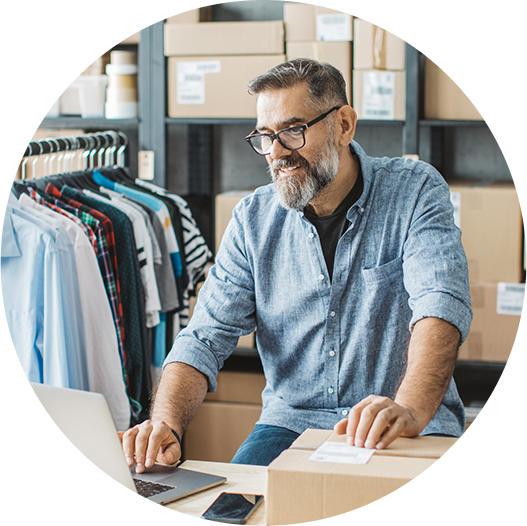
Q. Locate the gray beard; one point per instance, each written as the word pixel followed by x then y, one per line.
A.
pixel 295 193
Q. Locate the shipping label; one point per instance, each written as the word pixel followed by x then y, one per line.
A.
pixel 341 453
pixel 510 298
pixel 191 80
pixel 378 95
pixel 334 27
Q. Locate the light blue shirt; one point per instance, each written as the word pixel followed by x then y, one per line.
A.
pixel 327 345
pixel 42 299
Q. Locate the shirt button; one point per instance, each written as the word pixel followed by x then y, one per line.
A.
pixel 345 412
pixel 332 313
pixel 330 390
pixel 321 276
pixel 332 353
pixel 311 235
pixel 362 209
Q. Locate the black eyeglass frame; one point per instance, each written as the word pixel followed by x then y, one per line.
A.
pixel 301 128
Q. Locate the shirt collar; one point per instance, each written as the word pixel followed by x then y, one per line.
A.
pixel 366 169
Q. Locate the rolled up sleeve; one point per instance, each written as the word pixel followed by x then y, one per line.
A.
pixel 434 262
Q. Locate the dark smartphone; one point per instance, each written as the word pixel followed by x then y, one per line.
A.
pixel 235 508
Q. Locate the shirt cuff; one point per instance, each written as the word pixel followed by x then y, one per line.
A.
pixel 192 352
pixel 445 307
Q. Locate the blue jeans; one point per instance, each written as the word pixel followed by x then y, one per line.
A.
pixel 263 445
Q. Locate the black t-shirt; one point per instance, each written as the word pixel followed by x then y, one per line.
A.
pixel 330 228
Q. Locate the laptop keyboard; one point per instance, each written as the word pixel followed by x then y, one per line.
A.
pixel 148 489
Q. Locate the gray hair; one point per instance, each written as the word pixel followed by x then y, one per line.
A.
pixel 326 85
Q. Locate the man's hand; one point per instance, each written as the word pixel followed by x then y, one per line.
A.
pixel 149 442
pixel 376 422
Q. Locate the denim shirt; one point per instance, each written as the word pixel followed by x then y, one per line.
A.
pixel 324 345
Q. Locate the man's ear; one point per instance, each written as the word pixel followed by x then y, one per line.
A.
pixel 346 125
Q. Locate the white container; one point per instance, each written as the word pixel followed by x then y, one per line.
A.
pixel 121 110
pixel 93 94
pixel 121 69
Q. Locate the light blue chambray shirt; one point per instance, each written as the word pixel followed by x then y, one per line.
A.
pixel 327 345
pixel 42 300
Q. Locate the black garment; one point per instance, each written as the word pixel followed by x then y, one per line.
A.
pixel 330 228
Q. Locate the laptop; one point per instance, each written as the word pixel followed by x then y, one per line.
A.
pixel 86 420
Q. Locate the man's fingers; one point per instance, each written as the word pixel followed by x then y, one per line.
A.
pixel 373 421
pixel 393 432
pixel 354 419
pixel 147 443
pixel 160 435
pixel 340 427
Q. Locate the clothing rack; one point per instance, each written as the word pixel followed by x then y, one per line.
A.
pixel 106 146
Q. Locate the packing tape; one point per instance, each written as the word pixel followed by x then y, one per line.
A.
pixel 121 110
pixel 379 48
pixel 122 81
pixel 117 95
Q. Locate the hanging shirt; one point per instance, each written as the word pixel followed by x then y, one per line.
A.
pixel 196 252
pixel 160 209
pixel 325 346
pixel 42 300
pixel 103 230
pixel 104 365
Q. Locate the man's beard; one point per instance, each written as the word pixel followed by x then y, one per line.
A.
pixel 295 192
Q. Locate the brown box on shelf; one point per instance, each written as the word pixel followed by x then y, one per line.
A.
pixel 497 312
pixel 379 95
pixel 339 54
pixel 492 232
pixel 306 23
pixel 444 99
pixel 203 14
pixel 238 387
pixel 375 48
pixel 225 203
pixel 225 38
pixel 215 86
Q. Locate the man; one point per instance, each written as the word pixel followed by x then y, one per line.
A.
pixel 353 272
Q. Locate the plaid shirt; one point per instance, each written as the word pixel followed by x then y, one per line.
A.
pixel 106 256
pixel 84 226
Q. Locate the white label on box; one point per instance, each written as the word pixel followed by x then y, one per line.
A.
pixel 334 28
pixel 191 80
pixel 341 453
pixel 378 95
pixel 455 197
pixel 510 298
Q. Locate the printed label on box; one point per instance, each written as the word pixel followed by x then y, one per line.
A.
pixel 378 95
pixel 341 453
pixel 455 197
pixel 333 28
pixel 191 80
pixel 510 298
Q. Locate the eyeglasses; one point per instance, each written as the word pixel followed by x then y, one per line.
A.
pixel 290 138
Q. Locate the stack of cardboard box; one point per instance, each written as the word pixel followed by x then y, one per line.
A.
pixel 379 81
pixel 210 63
pixel 492 234
pixel 321 34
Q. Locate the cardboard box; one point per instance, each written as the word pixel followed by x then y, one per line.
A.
pixel 379 95
pixel 305 23
pixel 492 232
pixel 225 38
pixel 218 430
pixel 444 99
pixel 225 203
pixel 203 14
pixel 301 490
pixel 215 86
pixel 497 312
pixel 238 387
pixel 339 54
pixel 375 48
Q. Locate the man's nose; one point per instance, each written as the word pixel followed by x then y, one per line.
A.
pixel 278 151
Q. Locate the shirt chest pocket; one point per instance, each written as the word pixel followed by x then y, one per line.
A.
pixel 386 273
